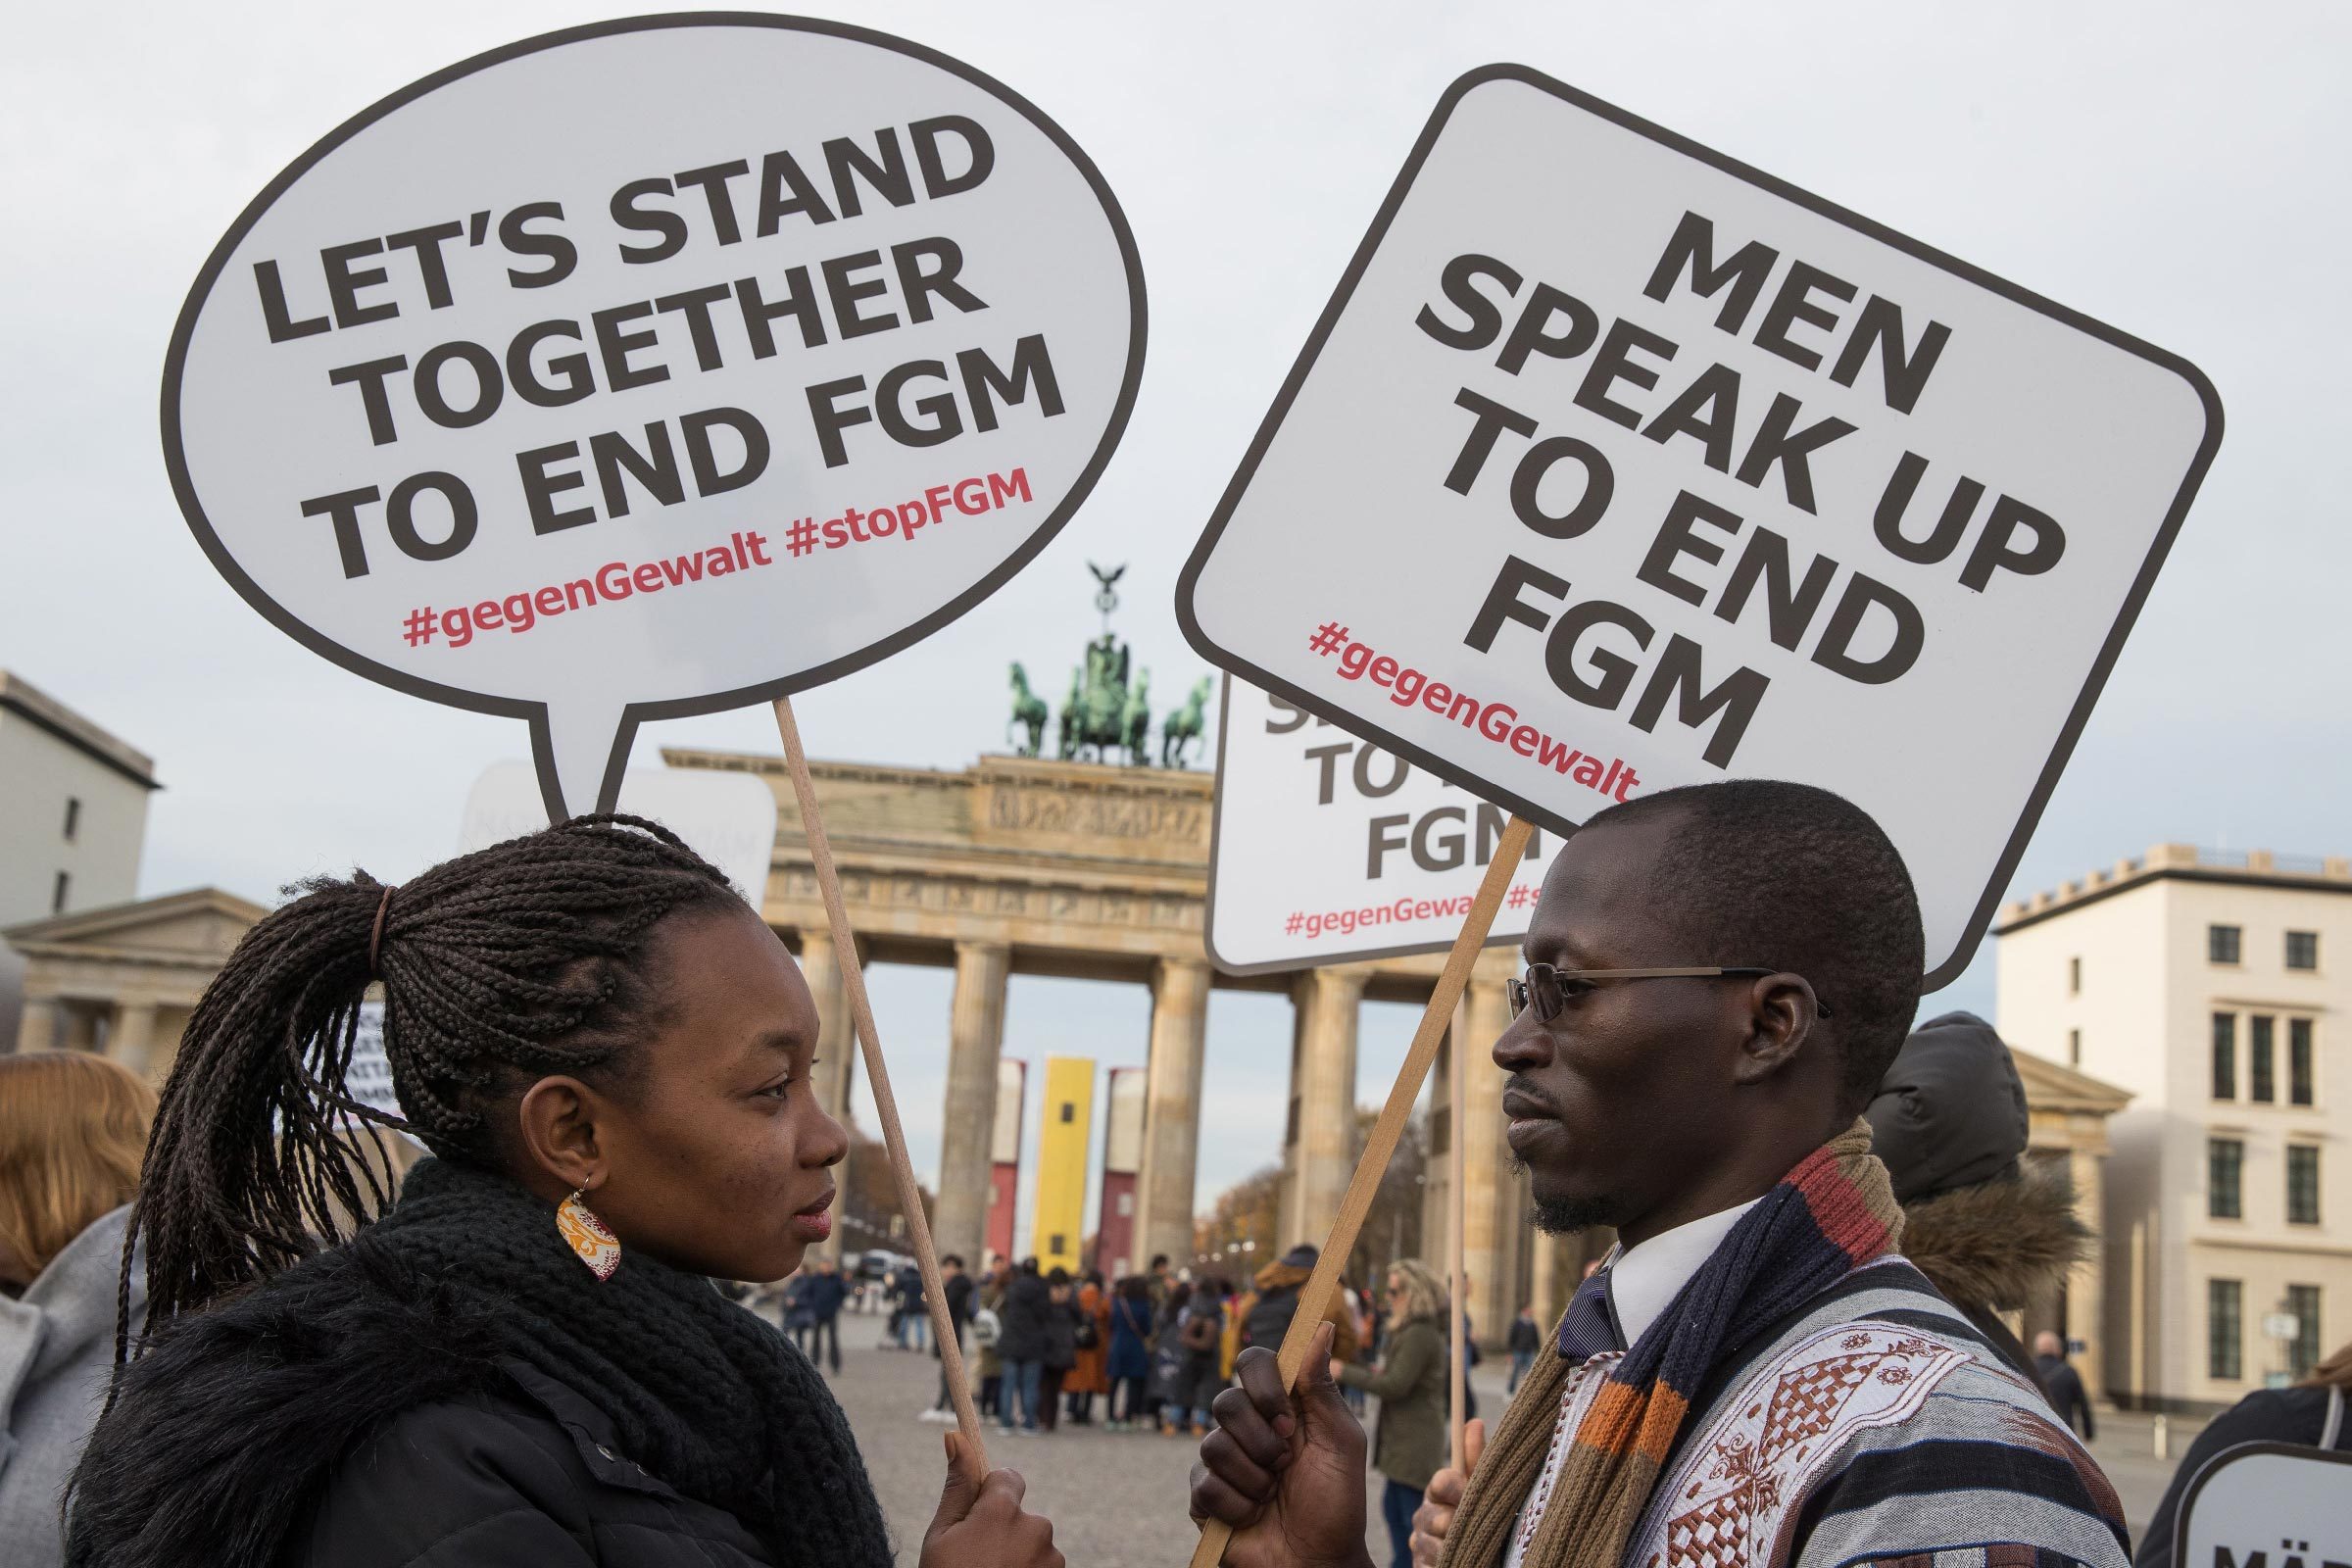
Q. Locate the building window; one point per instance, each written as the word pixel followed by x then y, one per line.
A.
pixel 1059 1244
pixel 1069 1110
pixel 2225 1351
pixel 2259 1084
pixel 2302 1184
pixel 74 826
pixel 2073 1047
pixel 2298 1061
pixel 2302 949
pixel 2221 942
pixel 2303 1350
pixel 2073 977
pixel 2225 1055
pixel 2224 1172
pixel 58 892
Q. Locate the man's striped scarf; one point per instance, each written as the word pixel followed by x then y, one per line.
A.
pixel 1835 1213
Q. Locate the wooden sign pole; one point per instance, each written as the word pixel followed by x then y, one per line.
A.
pixel 877 1074
pixel 1457 1210
pixel 1315 1296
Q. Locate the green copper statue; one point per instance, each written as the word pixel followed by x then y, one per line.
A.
pixel 1185 724
pixel 1135 721
pixel 1107 712
pixel 1028 712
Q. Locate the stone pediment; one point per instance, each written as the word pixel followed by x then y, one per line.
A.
pixel 200 924
pixel 2050 1086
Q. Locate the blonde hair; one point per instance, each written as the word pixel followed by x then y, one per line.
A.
pixel 1424 1292
pixel 73 1131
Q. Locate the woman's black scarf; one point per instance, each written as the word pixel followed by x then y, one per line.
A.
pixel 228 1424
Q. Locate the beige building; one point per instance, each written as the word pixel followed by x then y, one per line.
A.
pixel 72 819
pixel 2214 988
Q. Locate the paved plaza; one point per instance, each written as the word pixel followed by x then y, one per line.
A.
pixel 1117 1501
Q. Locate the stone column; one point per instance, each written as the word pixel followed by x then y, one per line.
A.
pixel 836 1055
pixel 1326 1091
pixel 40 1027
pixel 2085 1282
pixel 975 1040
pixel 132 1035
pixel 1490 1246
pixel 1543 1267
pixel 1163 1220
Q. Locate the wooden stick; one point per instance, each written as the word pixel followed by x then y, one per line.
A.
pixel 1380 1147
pixel 1457 1213
pixel 877 1075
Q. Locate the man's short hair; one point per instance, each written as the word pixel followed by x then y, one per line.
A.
pixel 1159 1260
pixel 953 1258
pixel 1766 872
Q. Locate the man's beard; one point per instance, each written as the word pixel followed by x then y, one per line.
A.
pixel 1565 1216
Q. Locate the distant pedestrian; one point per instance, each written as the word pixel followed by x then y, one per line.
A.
pixel 1526 1339
pixel 2062 1383
pixel 956 1290
pixel 1169 1394
pixel 73 1128
pixel 1413 1388
pixel 1061 1346
pixel 913 1320
pixel 987 1334
pixel 1265 1314
pixel 1089 1375
pixel 1128 1365
pixel 1028 1302
pixel 1198 1328
pixel 822 1294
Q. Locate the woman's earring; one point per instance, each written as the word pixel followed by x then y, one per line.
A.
pixel 588 1235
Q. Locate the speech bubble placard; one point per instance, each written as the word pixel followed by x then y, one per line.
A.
pixel 653 367
pixel 1329 850
pixel 1615 465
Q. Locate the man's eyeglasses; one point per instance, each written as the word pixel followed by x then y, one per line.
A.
pixel 1548 989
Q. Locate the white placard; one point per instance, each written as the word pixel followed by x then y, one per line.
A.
pixel 2267 1502
pixel 1614 464
pixel 653 367
pixel 727 818
pixel 1328 850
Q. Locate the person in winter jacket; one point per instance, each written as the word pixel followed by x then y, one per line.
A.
pixel 1988 1230
pixel 524 1359
pixel 1028 1303
pixel 1525 1340
pixel 72 1127
pixel 1129 1364
pixel 1264 1313
pixel 1413 1384
pixel 1060 1348
pixel 1198 1327
pixel 1090 1374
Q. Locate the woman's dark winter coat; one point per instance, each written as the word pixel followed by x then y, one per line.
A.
pixel 1027 1303
pixel 440 1392
pixel 1061 1335
pixel 1130 1337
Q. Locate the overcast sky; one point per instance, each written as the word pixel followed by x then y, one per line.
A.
pixel 2174 170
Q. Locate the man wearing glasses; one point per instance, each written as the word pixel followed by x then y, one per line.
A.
pixel 1717 979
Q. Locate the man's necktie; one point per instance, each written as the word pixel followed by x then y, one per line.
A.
pixel 1587 1329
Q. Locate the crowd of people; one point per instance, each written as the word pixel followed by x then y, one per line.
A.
pixel 237 1328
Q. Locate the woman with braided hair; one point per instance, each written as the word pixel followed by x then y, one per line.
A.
pixel 524 1359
